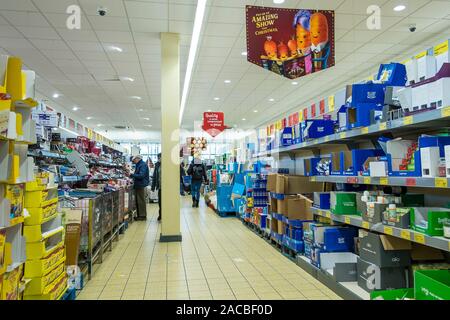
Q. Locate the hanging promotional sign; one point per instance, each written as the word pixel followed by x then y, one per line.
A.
pixel 290 42
pixel 213 123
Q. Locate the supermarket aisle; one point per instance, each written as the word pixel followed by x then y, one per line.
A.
pixel 218 259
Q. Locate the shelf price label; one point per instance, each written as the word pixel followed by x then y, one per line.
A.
pixel 405 234
pixel 352 180
pixel 410 182
pixel 343 135
pixel 365 130
pixel 347 220
pixel 388 230
pixel 407 120
pixel 313 179
pixel 367 180
pixel 384 181
pixel 365 225
pixel 327 138
pixel 419 238
pixel 383 126
pixel 328 215
pixel 446 112
pixel 440 182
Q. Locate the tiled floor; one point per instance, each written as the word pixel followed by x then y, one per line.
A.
pixel 219 258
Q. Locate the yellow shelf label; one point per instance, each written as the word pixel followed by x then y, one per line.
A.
pixel 343 135
pixel 328 215
pixel 441 48
pixel 384 181
pixel 420 55
pixel 388 230
pixel 313 179
pixel 420 238
pixel 440 182
pixel 383 126
pixel 365 225
pixel 367 180
pixel 405 234
pixel 408 120
pixel 446 112
pixel 347 220
pixel 365 130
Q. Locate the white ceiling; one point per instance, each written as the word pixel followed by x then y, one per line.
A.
pixel 76 63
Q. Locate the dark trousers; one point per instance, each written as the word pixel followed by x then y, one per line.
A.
pixel 159 201
pixel 141 205
pixel 195 190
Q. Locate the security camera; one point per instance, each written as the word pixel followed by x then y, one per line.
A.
pixel 412 27
pixel 102 11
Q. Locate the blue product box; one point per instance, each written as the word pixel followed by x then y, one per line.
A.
pixel 310 166
pixel 334 238
pixel 315 256
pixel 358 158
pixel 313 129
pixel 322 200
pixel 436 141
pixel 287 137
pixel 296 245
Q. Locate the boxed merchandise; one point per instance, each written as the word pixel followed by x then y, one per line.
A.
pixel 73 233
pixel 447 160
pixel 289 184
pixel 377 168
pixel 413 200
pixel 11 200
pixel 385 251
pixel 374 212
pixel 37 286
pixel 2 250
pixel 343 203
pixel 339 262
pixel 299 208
pixel 398 217
pixel 394 294
pixel 322 200
pixel 308 246
pixel 372 277
pixel 429 220
pixel 432 284
pixel 334 238
pixel 403 158
pixel 345 272
pixel 54 291
pixel 273 205
pixel 442 54
pixel 340 161
pixel 411 71
pixel 10 284
pixel 41 215
pixel 316 128
pixel 271 182
pixel 426 66
pixel 41 267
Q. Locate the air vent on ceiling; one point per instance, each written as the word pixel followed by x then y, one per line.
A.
pixel 114 78
pixel 121 127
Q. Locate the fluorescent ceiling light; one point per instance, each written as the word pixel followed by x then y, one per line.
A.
pixel 56 95
pixel 399 8
pixel 99 125
pixel 216 99
pixel 243 119
pixel 209 110
pixel 294 83
pixel 114 48
pixel 271 99
pixel 146 119
pixel 136 97
pixel 255 111
pixel 278 1
pixel 244 53
pixel 198 22
pixel 227 81
pixel 141 110
pixel 127 79
pixel 88 118
pixel 75 108
pixel 149 125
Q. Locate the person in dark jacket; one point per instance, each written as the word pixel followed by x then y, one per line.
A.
pixel 182 175
pixel 156 182
pixel 197 171
pixel 141 180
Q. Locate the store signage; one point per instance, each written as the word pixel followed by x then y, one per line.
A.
pixel 290 42
pixel 46 119
pixel 213 123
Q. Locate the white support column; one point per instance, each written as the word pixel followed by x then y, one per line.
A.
pixel 170 160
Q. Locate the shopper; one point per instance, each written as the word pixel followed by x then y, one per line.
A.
pixel 197 171
pixel 182 175
pixel 141 181
pixel 156 183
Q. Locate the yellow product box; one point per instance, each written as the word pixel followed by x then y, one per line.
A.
pixel 41 249
pixel 11 282
pixel 38 184
pixel 41 215
pixel 54 291
pixel 2 250
pixel 38 286
pixel 41 198
pixel 37 233
pixel 39 268
pixel 14 193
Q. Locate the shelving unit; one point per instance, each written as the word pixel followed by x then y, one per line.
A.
pixel 443 183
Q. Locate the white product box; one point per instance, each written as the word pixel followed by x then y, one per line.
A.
pixel 419 97
pixel 426 67
pixel 447 160
pixel 329 259
pixel 398 149
pixel 378 169
pixel 439 93
pixel 405 98
pixel 429 157
pixel 411 71
pixel 442 54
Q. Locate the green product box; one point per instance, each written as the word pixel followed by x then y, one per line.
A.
pixel 413 200
pixel 432 285
pixel 429 220
pixel 343 203
pixel 396 294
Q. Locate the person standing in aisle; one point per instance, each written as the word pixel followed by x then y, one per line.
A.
pixel 156 182
pixel 182 174
pixel 197 171
pixel 141 180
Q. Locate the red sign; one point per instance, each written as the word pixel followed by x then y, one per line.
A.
pixel 291 120
pixel 295 117
pixel 213 123
pixel 313 110
pixel 290 42
pixel 410 182
pixel 305 113
pixel 322 106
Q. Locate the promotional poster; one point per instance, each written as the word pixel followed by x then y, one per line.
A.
pixel 290 42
